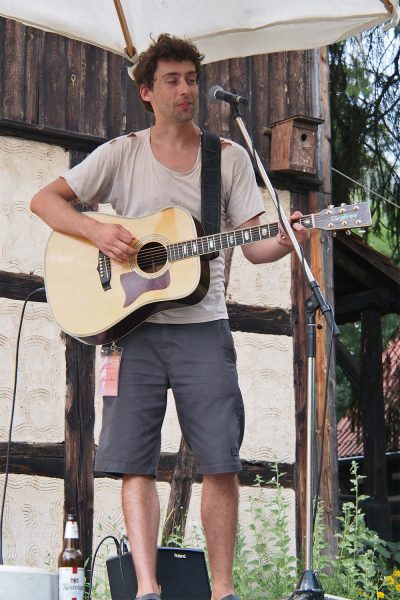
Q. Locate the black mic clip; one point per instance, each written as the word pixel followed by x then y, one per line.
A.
pixel 218 93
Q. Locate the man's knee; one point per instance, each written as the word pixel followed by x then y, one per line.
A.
pixel 221 480
pixel 137 483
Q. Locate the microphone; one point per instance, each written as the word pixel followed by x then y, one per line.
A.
pixel 218 93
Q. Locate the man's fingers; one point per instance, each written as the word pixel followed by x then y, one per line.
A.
pixel 124 235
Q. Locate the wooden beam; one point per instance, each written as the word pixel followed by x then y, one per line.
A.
pixel 18 286
pixel 259 319
pixel 370 267
pixel 253 319
pixel 49 135
pixel 348 307
pixel 47 460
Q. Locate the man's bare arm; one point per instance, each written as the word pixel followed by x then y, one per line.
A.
pixel 274 248
pixel 53 205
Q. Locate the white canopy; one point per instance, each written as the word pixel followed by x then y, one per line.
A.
pixel 220 28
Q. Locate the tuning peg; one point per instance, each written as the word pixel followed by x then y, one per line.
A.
pixel 348 232
pixel 331 206
pixel 362 230
pixel 334 234
pixel 343 204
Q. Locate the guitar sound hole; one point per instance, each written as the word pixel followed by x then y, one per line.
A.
pixel 152 257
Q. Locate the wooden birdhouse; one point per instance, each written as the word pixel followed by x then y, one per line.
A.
pixel 294 145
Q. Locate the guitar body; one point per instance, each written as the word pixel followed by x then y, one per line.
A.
pixel 97 309
pixel 98 301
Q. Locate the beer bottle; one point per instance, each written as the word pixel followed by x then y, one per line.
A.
pixel 71 577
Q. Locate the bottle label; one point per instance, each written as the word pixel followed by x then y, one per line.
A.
pixel 71 530
pixel 71 583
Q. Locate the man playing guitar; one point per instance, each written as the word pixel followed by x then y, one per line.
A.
pixel 189 349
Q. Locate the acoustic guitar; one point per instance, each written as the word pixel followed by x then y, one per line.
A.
pixel 98 300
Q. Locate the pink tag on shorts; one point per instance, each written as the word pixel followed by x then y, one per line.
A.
pixel 110 362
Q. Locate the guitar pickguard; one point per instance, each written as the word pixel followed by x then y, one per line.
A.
pixel 134 285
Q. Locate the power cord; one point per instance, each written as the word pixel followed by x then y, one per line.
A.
pixel 6 472
pixel 122 548
pixel 117 544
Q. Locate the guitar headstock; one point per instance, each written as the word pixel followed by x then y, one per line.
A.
pixel 345 216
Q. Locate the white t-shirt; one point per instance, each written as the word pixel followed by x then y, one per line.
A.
pixel 125 173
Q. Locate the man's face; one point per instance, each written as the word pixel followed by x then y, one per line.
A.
pixel 174 96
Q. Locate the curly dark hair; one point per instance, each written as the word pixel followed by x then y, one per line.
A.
pixel 166 47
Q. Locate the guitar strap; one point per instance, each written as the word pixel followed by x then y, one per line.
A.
pixel 210 186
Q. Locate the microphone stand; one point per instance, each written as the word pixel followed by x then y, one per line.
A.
pixel 309 585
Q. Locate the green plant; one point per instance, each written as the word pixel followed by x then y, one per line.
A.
pixel 267 570
pixel 360 567
pixel 363 569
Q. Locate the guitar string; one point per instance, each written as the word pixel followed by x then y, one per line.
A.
pixel 153 254
pixel 150 255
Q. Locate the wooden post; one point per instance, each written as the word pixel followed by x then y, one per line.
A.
pixel 79 438
pixel 179 498
pixel 377 508
pixel 321 264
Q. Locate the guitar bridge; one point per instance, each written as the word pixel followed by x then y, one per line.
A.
pixel 104 270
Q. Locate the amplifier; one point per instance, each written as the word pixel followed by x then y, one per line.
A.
pixel 181 573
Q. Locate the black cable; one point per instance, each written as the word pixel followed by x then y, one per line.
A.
pixel 6 472
pixel 123 549
pixel 107 537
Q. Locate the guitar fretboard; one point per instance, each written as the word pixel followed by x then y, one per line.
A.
pixel 222 241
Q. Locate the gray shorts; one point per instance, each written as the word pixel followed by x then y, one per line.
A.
pixel 198 361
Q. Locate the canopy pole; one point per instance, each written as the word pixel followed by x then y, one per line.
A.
pixel 130 48
pixel 388 5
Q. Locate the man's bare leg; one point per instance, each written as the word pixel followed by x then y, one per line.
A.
pixel 141 508
pixel 219 512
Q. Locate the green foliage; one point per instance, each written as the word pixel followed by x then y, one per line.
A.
pixel 365 108
pixel 176 537
pixel 266 570
pixel 363 559
pixel 365 566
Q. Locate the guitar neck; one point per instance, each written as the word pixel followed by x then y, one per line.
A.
pixel 221 241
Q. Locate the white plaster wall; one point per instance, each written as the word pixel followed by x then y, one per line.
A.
pixel 40 392
pixel 25 167
pixel 261 285
pixel 34 505
pixel 265 367
pixel 33 521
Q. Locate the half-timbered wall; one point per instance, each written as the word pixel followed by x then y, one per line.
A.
pixel 34 507
pixel 59 99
